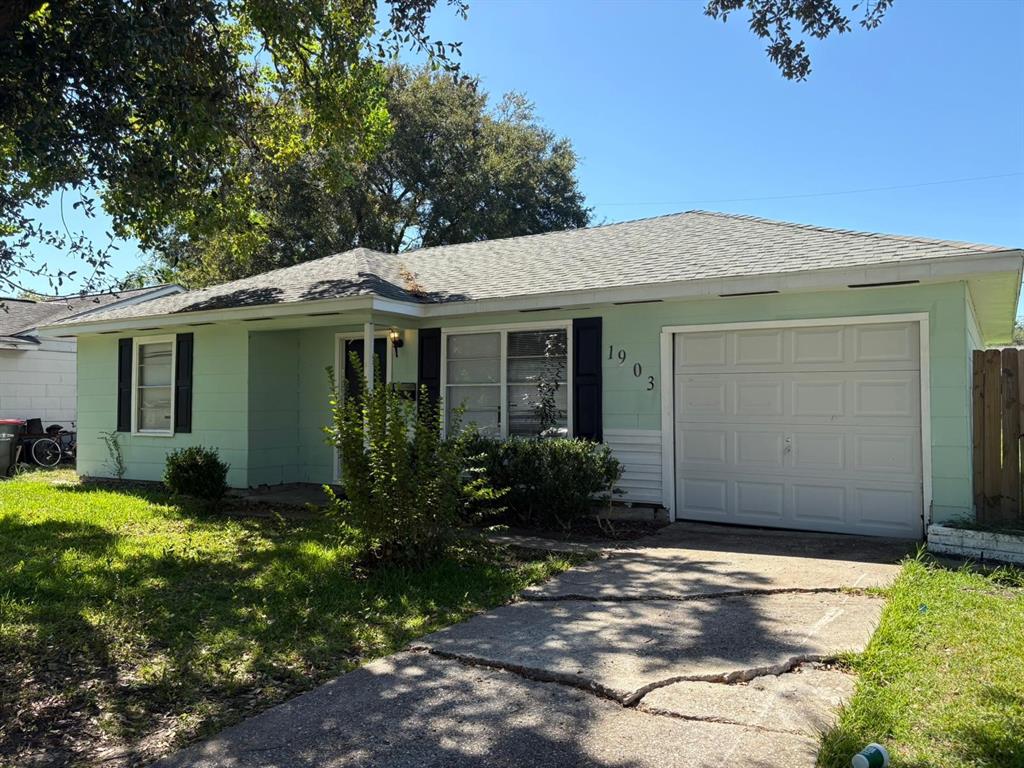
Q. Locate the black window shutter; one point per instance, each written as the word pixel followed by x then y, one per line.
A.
pixel 183 384
pixel 429 375
pixel 124 385
pixel 586 378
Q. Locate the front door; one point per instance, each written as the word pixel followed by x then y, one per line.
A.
pixel 380 362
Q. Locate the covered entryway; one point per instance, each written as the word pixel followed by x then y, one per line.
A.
pixel 814 427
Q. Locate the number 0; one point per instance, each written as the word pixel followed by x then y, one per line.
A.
pixel 638 370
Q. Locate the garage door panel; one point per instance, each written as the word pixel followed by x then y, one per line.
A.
pixel 889 454
pixel 897 343
pixel 763 501
pixel 891 511
pixel 818 345
pixel 892 397
pixel 705 495
pixel 824 451
pixel 766 449
pixel 704 446
pixel 811 427
pixel 757 348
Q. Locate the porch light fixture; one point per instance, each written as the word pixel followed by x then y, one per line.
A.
pixel 395 336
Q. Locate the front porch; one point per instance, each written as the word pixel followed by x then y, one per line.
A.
pixel 289 388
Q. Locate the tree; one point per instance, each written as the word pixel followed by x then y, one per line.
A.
pixel 160 107
pixel 773 20
pixel 451 170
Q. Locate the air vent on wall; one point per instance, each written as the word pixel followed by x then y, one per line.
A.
pixel 745 293
pixel 882 285
pixel 638 301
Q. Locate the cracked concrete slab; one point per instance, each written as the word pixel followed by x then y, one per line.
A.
pixel 419 711
pixel 803 700
pixel 692 559
pixel 622 649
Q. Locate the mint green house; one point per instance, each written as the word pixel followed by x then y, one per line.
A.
pixel 743 370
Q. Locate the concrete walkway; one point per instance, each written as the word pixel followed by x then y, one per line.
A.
pixel 700 646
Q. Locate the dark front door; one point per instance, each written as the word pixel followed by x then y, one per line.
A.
pixel 380 357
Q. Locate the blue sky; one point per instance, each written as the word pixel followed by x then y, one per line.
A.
pixel 670 110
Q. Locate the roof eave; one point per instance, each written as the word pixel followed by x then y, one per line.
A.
pixel 925 271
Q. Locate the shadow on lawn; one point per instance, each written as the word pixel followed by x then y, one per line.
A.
pixel 106 646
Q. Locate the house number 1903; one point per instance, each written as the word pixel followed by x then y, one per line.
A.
pixel 638 369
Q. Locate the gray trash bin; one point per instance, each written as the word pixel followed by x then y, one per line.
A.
pixel 9 431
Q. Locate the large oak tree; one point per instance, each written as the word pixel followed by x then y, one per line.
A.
pixel 452 169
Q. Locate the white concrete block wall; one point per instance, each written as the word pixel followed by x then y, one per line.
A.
pixel 39 382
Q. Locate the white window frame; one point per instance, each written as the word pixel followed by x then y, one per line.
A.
pixel 504 330
pixel 339 375
pixel 339 371
pixel 140 341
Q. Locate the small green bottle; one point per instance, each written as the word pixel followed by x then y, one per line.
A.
pixel 872 756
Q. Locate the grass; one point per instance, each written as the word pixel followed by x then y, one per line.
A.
pixel 131 624
pixel 941 684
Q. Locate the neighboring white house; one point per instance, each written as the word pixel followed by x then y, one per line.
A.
pixel 37 373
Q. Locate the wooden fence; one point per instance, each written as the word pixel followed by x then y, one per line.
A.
pixel 998 399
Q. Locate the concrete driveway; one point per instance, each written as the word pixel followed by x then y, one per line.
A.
pixel 700 646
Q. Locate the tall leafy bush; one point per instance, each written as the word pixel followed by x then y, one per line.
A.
pixel 403 481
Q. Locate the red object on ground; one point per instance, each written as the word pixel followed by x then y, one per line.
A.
pixel 12 421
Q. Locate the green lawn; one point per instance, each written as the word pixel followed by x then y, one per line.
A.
pixel 942 682
pixel 131 624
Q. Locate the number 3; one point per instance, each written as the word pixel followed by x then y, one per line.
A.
pixel 650 383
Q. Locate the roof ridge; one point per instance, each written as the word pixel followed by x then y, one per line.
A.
pixel 842 231
pixel 46 299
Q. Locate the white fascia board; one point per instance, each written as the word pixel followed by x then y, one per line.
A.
pixel 236 314
pixel 13 342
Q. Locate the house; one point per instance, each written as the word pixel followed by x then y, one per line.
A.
pixel 37 374
pixel 744 370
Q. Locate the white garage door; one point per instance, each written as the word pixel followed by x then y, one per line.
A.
pixel 816 428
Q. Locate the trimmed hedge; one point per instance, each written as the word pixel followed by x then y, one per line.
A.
pixel 548 483
pixel 196 471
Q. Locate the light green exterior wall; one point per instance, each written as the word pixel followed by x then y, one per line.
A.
pixel 275 381
pixel 219 412
pixel 637 327
pixel 273 407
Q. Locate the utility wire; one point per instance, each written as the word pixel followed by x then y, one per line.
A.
pixel 823 194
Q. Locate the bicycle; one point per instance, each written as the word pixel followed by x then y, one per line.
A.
pixel 49 449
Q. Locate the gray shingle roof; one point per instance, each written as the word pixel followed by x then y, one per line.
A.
pixel 18 317
pixel 684 246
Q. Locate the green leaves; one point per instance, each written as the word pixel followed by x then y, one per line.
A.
pixel 446 169
pixel 165 106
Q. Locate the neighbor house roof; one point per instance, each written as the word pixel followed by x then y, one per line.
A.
pixel 19 318
pixel 695 245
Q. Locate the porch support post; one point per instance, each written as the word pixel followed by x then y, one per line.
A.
pixel 368 335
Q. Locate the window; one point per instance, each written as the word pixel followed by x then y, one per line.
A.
pixel 474 380
pixel 508 382
pixel 538 390
pixel 154 386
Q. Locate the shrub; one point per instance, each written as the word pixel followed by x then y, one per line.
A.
pixel 403 482
pixel 546 483
pixel 196 471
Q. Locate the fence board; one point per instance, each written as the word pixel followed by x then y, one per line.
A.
pixel 1010 493
pixel 993 484
pixel 978 421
